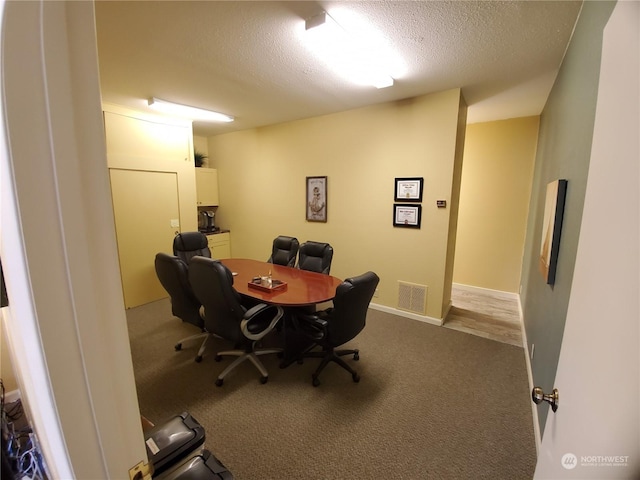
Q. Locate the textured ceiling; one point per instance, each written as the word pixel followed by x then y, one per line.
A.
pixel 246 58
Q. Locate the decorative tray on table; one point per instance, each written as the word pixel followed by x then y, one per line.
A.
pixel 267 286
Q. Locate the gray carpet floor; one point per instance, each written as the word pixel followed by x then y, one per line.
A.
pixel 432 403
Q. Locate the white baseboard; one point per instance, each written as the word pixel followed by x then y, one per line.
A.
pixel 402 313
pixel 488 291
pixel 12 396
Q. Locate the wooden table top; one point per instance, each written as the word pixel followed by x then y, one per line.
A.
pixel 303 287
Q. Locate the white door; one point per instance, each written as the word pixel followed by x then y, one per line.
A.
pixel 145 230
pixel 595 432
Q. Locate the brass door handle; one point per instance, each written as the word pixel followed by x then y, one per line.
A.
pixel 538 396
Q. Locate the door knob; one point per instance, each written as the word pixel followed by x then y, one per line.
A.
pixel 538 396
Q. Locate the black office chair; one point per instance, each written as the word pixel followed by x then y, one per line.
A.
pixel 336 326
pixel 315 257
pixel 187 245
pixel 226 317
pixel 173 274
pixel 284 251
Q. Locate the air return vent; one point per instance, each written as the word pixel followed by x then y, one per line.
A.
pixel 412 297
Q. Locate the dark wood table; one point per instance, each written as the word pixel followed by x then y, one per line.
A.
pixel 303 287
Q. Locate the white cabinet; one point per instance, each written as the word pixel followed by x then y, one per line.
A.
pixel 206 187
pixel 220 245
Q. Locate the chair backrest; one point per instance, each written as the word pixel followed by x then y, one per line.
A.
pixel 212 284
pixel 187 245
pixel 350 307
pixel 284 251
pixel 173 274
pixel 315 257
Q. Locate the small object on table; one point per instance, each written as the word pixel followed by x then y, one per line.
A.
pixel 267 284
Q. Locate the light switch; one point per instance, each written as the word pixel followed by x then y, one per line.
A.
pixel 175 223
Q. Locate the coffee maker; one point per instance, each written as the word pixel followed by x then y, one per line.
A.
pixel 205 221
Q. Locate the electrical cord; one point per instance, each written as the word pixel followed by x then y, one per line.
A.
pixel 19 446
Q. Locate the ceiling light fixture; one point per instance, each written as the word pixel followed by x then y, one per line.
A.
pixel 352 57
pixel 185 111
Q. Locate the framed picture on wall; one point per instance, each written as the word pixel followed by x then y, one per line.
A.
pixel 407 215
pixel 409 189
pixel 316 199
pixel 551 229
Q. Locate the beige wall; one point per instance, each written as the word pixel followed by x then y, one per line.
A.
pixel 496 185
pixel 262 189
pixel 6 369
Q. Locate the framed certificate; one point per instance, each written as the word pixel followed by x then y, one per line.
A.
pixel 407 215
pixel 409 189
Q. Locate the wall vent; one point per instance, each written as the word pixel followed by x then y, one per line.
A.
pixel 412 297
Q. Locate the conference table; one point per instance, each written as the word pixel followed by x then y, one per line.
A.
pixel 303 288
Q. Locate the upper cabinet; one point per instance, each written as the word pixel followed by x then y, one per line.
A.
pixel 207 187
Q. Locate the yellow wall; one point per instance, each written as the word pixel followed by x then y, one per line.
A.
pixel 454 204
pixel 262 189
pixel 496 185
pixel 162 144
pixel 151 167
pixel 201 145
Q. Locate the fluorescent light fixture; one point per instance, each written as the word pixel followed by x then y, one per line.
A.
pixel 185 111
pixel 352 56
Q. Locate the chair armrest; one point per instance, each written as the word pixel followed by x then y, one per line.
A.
pixel 311 325
pixel 256 309
pixel 257 321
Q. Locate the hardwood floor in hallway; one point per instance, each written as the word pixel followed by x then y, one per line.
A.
pixel 484 313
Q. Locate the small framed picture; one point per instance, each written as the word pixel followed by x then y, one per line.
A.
pixel 409 189
pixel 316 199
pixel 407 215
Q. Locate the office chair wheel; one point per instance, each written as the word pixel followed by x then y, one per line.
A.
pixel 356 377
pixel 198 358
pixel 314 380
pixel 356 355
pixel 217 358
pixel 264 380
pixel 219 382
pixel 178 347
